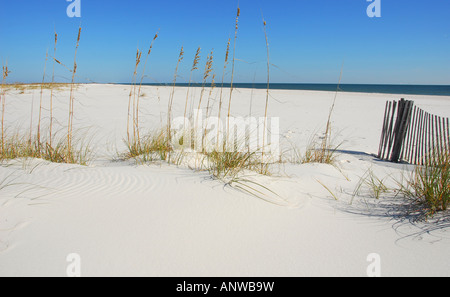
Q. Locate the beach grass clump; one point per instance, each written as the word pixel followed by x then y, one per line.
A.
pixel 16 146
pixel 20 146
pixel 376 185
pixel 428 186
pixel 320 151
pixel 155 146
pixel 228 165
pixel 372 186
pixel 237 169
pixel 80 153
pixel 70 147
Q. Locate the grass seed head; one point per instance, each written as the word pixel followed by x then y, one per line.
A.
pixel 196 59
pixel 228 50
pixel 180 57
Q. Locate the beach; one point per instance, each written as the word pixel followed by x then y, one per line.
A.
pixel 126 218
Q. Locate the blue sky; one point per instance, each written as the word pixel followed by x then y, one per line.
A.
pixel 309 39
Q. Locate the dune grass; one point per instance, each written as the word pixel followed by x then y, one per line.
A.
pixel 18 146
pixel 233 60
pixel 70 147
pixel 206 74
pixel 428 186
pixel 157 145
pixel 317 150
pixel 72 100
pixel 324 150
pixel 425 190
pixel 5 73
pixel 193 68
pixel 228 165
pixel 153 146
pixel 172 94
pixel 320 151
pixel 52 85
pixel 371 186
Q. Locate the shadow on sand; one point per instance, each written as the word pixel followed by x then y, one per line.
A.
pixel 408 220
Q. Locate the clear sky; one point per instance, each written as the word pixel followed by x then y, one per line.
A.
pixel 309 39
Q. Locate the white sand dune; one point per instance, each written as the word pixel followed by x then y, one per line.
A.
pixel 125 219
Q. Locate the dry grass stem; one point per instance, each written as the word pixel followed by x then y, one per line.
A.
pixel 232 68
pixel 72 99
pixel 193 68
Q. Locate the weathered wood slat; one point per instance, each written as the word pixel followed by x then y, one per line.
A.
pixel 448 133
pixel 387 135
pixel 410 105
pixel 425 147
pixel 413 135
pixel 441 134
pixel 419 138
pixel 390 132
pixel 438 143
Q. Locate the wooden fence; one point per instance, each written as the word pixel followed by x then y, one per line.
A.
pixel 410 134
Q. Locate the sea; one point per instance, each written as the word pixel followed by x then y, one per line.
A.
pixel 435 90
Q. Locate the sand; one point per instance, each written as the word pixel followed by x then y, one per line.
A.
pixel 156 219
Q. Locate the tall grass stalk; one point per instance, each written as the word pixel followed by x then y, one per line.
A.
pixel 51 92
pixel 232 68
pixel 267 93
pixel 327 136
pixel 169 108
pixel 131 98
pixel 5 73
pixel 40 101
pixel 206 74
pixel 193 68
pixel 221 87
pixel 72 99
pixel 213 85
pixel 136 121
pixel 211 89
pixel 325 151
pixel 30 137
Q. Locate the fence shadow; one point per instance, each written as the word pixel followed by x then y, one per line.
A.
pixel 409 221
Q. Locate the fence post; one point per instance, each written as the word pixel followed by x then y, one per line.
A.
pixel 401 127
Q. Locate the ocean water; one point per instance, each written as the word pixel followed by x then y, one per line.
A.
pixel 436 90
